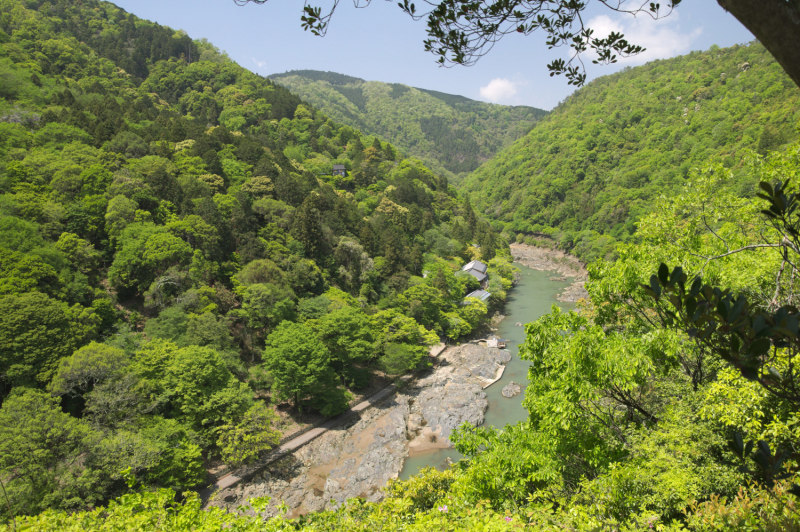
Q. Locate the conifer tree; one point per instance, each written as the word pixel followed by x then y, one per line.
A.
pixel 469 216
pixel 307 227
pixel 389 152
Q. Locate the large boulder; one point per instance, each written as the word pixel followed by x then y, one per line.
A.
pixel 511 389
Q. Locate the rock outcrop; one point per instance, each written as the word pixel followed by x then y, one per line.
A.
pixel 355 460
pixel 358 458
pixel 511 389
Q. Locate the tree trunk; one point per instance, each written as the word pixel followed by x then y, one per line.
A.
pixel 776 24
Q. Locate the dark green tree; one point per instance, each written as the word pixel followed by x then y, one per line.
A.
pixel 389 152
pixel 301 368
pixel 36 332
pixel 307 227
pixel 469 216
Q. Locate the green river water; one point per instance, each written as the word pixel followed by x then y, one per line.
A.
pixel 531 297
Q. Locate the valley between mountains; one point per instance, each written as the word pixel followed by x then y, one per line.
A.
pixel 577 319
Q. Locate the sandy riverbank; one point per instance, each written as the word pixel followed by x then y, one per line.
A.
pixel 556 261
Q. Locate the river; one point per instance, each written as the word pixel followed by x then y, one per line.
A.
pixel 358 457
pixel 531 298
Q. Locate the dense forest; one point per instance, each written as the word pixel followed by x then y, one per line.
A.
pixel 452 134
pixel 177 258
pixel 597 163
pixel 666 401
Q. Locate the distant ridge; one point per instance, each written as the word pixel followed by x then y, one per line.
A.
pixel 452 134
pixel 333 78
pixel 449 99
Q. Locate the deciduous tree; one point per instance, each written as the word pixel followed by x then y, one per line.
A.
pixel 301 367
pixel 36 332
pixel 461 32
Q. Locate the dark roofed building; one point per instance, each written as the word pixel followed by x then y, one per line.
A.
pixel 476 265
pixel 339 169
pixel 483 295
pixel 481 277
pixel 477 269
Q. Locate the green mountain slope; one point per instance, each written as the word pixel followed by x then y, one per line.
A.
pixel 597 162
pixel 447 132
pixel 177 257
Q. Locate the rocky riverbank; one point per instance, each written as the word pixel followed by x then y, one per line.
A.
pixel 556 261
pixel 358 458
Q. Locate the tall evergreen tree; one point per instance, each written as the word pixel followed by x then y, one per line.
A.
pixel 307 227
pixel 469 216
pixel 389 153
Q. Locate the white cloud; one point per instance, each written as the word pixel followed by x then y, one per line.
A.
pixel 662 38
pixel 259 64
pixel 499 90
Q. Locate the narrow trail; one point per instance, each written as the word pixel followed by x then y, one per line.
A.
pixel 234 477
pixel 243 473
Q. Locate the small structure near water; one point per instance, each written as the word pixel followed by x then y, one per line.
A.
pixel 497 343
pixel 483 295
pixel 477 269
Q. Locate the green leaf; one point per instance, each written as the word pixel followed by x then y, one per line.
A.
pixel 663 274
pixel 655 286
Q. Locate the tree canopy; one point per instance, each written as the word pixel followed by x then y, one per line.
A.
pixel 165 217
pixel 462 31
pixel 591 169
pixel 451 134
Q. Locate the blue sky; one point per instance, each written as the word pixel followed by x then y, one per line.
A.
pixel 382 43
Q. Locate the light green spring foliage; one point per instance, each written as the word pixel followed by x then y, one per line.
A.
pixel 35 333
pixel 300 366
pixel 735 403
pixel 630 423
pixel 39 452
pixel 230 235
pixel 700 230
pixel 163 212
pixel 245 441
pixel 88 366
pixel 193 384
pixel 596 164
pixel 420 504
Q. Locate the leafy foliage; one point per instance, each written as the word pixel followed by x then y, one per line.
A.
pixel 598 162
pixel 176 257
pixel 194 201
pixel 300 365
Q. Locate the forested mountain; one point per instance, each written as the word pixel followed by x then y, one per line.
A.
pixel 450 133
pixel 177 257
pixel 597 163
